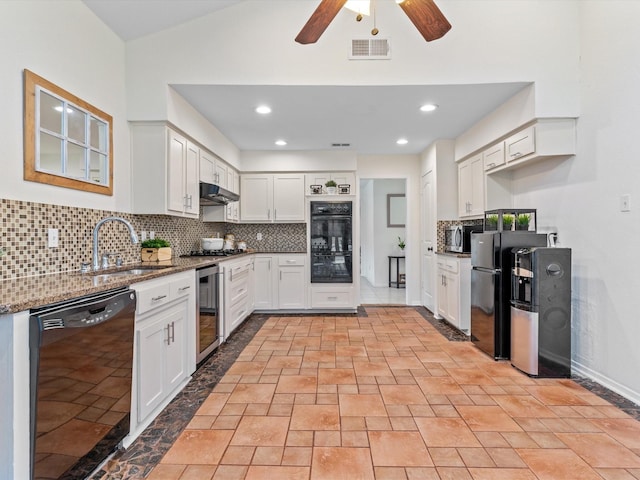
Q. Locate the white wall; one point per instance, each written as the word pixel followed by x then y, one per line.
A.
pixel 366 230
pixel 252 43
pixel 581 197
pixel 401 167
pixel 298 161
pixel 65 43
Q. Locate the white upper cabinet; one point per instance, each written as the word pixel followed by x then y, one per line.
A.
pixel 493 156
pixel 521 144
pixel 546 138
pixel 272 197
pixel 165 171
pixel 471 187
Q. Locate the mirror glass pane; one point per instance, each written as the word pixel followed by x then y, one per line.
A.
pixel 77 121
pixel 50 113
pixel 98 168
pixel 50 154
pixel 75 161
pixel 98 134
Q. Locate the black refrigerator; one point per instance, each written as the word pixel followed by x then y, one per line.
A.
pixel 491 287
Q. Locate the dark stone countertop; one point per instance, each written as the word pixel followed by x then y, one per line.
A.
pixel 20 294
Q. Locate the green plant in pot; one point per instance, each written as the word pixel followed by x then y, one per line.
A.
pixel 155 250
pixel 491 222
pixel 401 244
pixel 523 221
pixel 507 221
pixel 332 187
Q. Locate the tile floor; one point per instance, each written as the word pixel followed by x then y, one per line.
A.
pixel 386 396
pixel 370 295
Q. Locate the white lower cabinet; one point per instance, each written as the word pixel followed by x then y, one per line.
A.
pixel 333 296
pixel 164 348
pixel 454 291
pixel 292 282
pixel 280 281
pixel 238 292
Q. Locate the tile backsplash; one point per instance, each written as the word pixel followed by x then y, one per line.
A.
pixel 444 224
pixel 24 227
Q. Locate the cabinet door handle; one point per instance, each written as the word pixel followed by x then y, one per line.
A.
pixel 517 154
pixel 332 298
pixel 182 289
pixel 275 213
pixel 280 275
pixel 268 214
pixel 159 297
pixel 491 165
pixel 173 332
pixel 168 327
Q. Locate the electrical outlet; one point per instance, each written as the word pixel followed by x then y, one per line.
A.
pixel 259 236
pixel 53 237
pixel 152 235
pixel 143 235
pixel 625 203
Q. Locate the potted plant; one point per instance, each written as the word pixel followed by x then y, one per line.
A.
pixel 155 250
pixel 491 222
pixel 523 221
pixel 332 187
pixel 401 244
pixel 507 221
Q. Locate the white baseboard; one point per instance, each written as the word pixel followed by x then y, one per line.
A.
pixel 606 382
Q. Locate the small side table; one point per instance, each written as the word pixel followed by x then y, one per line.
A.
pixel 400 277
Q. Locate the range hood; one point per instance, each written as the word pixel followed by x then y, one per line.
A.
pixel 211 194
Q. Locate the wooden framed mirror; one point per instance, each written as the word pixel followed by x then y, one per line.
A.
pixel 67 141
pixel 396 210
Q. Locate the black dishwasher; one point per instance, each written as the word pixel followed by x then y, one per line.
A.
pixel 81 364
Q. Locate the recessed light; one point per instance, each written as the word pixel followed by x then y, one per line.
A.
pixel 281 143
pixel 263 109
pixel 428 107
pixel 402 141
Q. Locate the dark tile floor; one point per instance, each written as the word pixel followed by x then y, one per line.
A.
pixel 147 451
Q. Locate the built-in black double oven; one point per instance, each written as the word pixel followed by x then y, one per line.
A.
pixel 331 239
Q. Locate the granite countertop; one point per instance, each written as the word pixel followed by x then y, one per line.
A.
pixel 454 254
pixel 17 295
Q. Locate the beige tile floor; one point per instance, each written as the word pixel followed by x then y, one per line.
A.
pixel 388 397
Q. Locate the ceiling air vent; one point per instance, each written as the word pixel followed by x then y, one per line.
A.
pixel 370 49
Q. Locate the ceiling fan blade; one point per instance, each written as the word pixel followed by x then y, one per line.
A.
pixel 427 18
pixel 319 21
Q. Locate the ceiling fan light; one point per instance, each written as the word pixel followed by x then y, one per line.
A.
pixel 263 109
pixel 359 6
pixel 428 107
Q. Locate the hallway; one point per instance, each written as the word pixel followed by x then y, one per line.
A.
pixel 385 395
pixel 370 295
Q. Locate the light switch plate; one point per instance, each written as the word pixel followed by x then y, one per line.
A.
pixel 625 203
pixel 53 237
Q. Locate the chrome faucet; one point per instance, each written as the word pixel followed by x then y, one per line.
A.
pixel 96 230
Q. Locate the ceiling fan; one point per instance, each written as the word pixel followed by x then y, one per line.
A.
pixel 424 14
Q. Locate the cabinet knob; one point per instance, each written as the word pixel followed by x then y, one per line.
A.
pixel 430 249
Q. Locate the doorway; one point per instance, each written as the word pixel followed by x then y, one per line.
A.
pixel 383 212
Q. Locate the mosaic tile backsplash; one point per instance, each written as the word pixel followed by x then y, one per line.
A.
pixel 24 226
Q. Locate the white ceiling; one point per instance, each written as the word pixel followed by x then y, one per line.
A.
pixel 368 118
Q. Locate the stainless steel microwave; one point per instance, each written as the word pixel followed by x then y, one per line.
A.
pixel 458 238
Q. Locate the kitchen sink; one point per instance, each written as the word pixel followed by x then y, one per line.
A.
pixel 127 270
